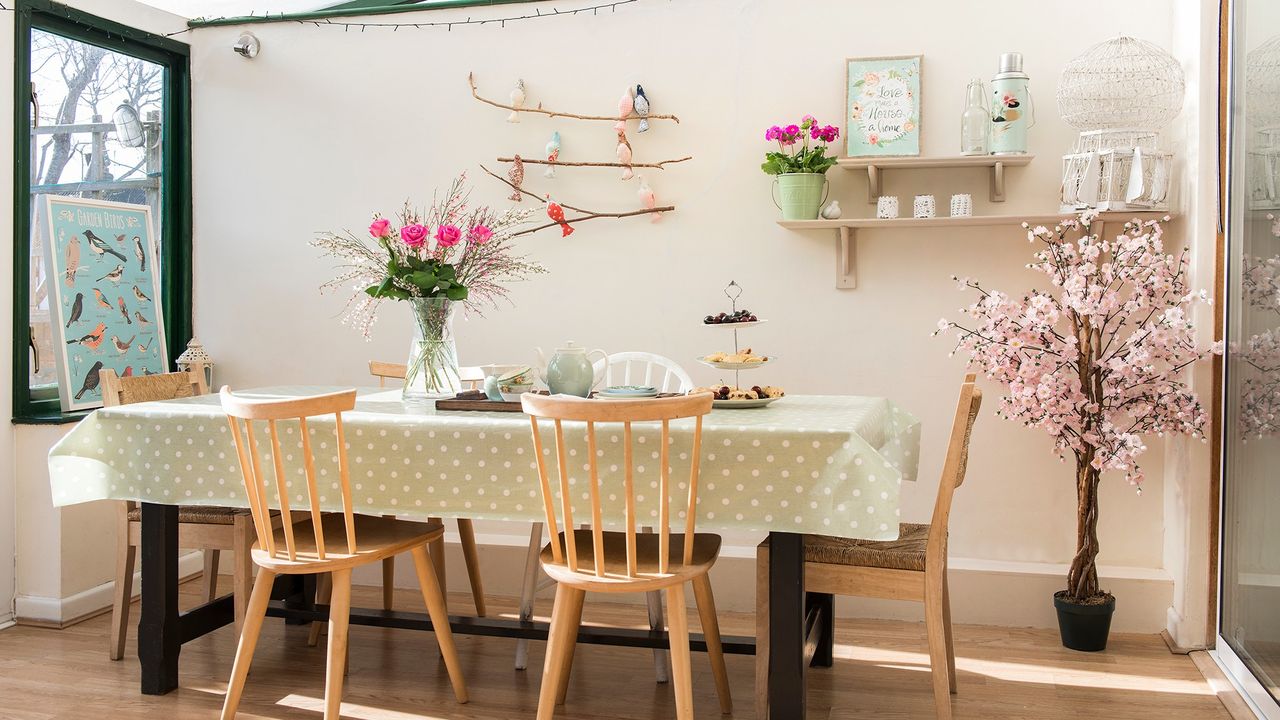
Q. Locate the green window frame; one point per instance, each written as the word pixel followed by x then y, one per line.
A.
pixel 40 405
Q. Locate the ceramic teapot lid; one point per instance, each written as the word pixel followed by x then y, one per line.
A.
pixel 571 348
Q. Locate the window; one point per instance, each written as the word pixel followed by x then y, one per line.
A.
pixel 82 79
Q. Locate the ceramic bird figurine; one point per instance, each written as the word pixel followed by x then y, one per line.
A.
pixel 642 108
pixel 142 256
pixel 102 299
pixel 832 210
pixel 122 347
pixel 647 199
pixel 77 307
pixel 142 320
pixel 517 101
pixel 114 276
pixel 553 154
pixel 73 259
pixel 124 311
pixel 93 339
pixel 516 176
pixel 90 380
pixel 136 293
pixel 100 246
pixel 625 106
pixel 624 154
pixel 556 213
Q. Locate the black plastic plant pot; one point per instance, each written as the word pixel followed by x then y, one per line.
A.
pixel 1084 627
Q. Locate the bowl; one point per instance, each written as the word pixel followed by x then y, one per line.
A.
pixel 512 393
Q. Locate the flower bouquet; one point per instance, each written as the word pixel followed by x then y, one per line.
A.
pixel 800 165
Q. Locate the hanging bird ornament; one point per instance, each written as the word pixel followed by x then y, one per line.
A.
pixel 553 154
pixel 624 155
pixel 625 106
pixel 517 101
pixel 642 108
pixel 516 176
pixel 556 213
pixel 648 200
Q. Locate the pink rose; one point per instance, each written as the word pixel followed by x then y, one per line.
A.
pixel 479 234
pixel 448 235
pixel 873 139
pixel 380 227
pixel 870 78
pixel 415 235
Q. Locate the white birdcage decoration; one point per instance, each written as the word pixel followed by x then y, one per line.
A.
pixel 1262 117
pixel 1119 94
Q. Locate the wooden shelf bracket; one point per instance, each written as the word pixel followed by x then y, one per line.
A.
pixel 847 259
pixel 997 182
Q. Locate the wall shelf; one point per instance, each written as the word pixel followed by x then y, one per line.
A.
pixel 874 167
pixel 847 230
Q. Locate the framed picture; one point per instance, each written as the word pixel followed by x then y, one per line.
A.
pixel 104 298
pixel 882 106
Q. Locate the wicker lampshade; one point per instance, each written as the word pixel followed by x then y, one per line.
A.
pixel 1121 83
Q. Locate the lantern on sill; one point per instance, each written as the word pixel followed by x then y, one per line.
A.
pixel 195 359
pixel 129 130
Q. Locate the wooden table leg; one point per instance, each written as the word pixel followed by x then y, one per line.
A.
pixel 825 604
pixel 159 631
pixel 786 626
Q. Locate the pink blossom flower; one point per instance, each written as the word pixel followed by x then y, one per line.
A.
pixel 415 235
pixel 380 228
pixel 870 78
pixel 479 234
pixel 448 235
pixel 873 139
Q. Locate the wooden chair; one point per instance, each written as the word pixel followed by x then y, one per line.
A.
pixel 332 543
pixel 211 528
pixel 643 368
pixel 593 560
pixel 385 371
pixel 913 567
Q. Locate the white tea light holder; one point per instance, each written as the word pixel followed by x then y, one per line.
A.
pixel 924 206
pixel 961 205
pixel 887 207
pixel 196 359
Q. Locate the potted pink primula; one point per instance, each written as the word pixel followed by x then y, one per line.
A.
pixel 799 166
pixel 1097 363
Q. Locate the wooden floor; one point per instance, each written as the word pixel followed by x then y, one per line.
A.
pixel 397 675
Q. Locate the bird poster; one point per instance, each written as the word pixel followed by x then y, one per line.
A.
pixel 104 299
pixel 882 106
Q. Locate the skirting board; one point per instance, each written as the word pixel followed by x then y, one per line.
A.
pixel 61 612
pixel 983 592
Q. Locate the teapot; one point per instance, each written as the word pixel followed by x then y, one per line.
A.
pixel 570 371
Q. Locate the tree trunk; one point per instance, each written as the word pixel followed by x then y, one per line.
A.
pixel 1082 579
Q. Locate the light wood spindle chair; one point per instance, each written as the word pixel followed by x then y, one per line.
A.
pixel 594 560
pixel 211 528
pixel 913 567
pixel 472 376
pixel 332 543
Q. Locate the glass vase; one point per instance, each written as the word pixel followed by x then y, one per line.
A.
pixel 432 370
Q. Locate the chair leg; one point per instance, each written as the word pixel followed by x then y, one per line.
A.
pixel 254 616
pixel 210 577
pixel 324 591
pixel 467 531
pixel 681 663
pixel 437 560
pixel 762 632
pixel 946 625
pixel 711 632
pixel 125 555
pixel 557 639
pixel 574 621
pixel 339 617
pixel 661 671
pixel 439 613
pixel 388 582
pixel 527 589
pixel 242 575
pixel 935 629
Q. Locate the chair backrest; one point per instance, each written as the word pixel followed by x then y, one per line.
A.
pixel 955 464
pixel 241 414
pixel 560 409
pixel 644 368
pixel 130 389
pixel 385 371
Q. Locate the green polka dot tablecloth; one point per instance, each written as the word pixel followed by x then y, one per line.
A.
pixel 820 464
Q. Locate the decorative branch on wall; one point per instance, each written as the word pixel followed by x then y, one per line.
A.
pixel 475 93
pixel 565 163
pixel 584 214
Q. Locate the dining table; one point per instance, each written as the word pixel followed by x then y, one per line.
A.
pixel 821 464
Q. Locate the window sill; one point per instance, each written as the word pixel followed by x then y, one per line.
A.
pixel 52 418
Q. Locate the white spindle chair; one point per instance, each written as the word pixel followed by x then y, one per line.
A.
pixel 645 368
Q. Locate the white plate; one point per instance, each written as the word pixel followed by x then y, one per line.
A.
pixel 737 365
pixel 732 325
pixel 743 404
pixel 625 396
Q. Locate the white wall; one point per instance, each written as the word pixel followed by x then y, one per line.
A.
pixel 325 127
pixel 8 504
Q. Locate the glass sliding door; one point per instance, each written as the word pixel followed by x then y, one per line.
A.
pixel 1249 610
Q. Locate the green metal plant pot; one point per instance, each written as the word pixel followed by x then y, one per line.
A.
pixel 799 195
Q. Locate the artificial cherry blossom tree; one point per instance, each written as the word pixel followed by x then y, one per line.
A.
pixel 1096 362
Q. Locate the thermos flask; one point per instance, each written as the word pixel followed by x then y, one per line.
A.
pixel 1012 111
